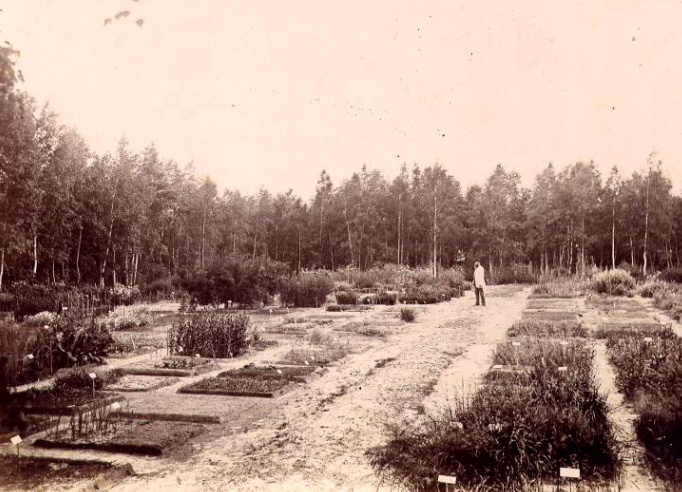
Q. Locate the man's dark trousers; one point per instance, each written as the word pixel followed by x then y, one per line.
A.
pixel 479 292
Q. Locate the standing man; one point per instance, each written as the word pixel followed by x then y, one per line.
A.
pixel 479 282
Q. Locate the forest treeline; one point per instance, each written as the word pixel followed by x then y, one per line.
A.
pixel 68 214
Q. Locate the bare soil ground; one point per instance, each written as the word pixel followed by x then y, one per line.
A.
pixel 315 438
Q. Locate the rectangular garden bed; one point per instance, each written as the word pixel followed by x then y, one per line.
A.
pixel 256 381
pixel 135 382
pixel 175 366
pixel 146 437
pixel 51 402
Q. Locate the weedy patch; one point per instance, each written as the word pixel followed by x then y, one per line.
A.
pixel 544 328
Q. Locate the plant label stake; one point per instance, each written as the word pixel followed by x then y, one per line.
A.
pixel 447 480
pixel 516 344
pixel 569 472
pixel 648 339
pixel 279 371
pixel 16 440
pixel 29 356
pixel 116 406
pixel 497 366
pixel 563 343
pixel 562 369
pixel 306 362
pixel 93 376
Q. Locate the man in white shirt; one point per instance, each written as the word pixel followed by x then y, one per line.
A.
pixel 479 283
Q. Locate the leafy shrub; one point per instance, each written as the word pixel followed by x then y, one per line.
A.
pixel 370 299
pixel 407 314
pixel 651 287
pixel 672 275
pixel 237 278
pixel 126 317
pixel 124 294
pixel 28 353
pixel 41 319
pixel 305 289
pixel 428 294
pixel 613 282
pixel 346 297
pixel 387 298
pixel 79 378
pixel 335 308
pixel 210 333
pixel 671 301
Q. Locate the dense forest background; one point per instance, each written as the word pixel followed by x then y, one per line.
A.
pixel 70 215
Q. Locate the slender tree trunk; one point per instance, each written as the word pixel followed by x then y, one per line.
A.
pixel 113 265
pixel 331 250
pixel 35 254
pixel 646 224
pixel 400 221
pixel 203 239
pixel 109 235
pixel 2 266
pixel 298 263
pixel 78 255
pixel 350 241
pixel 632 252
pixel 435 232
pixel 137 263
pixel 613 233
pixel 54 277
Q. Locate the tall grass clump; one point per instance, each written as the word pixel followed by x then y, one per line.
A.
pixel 210 333
pixel 305 289
pixel 561 287
pixel 669 300
pixel 651 287
pixel 614 282
pixel 649 373
pixel 511 437
pixel 407 314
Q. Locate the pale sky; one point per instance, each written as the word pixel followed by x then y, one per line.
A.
pixel 268 93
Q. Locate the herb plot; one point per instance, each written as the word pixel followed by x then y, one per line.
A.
pixel 540 412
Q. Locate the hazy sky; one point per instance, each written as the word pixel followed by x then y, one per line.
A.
pixel 268 93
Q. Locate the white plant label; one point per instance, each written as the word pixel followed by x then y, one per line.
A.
pixel 516 344
pixel 563 342
pixel 447 479
pixel 15 440
pixel 29 356
pixel 312 357
pixel 569 472
pixel 92 375
pixel 306 362
pixel 648 339
pixel 197 355
pixel 459 425
pixel 497 366
pixel 563 368
pixel 279 371
pixel 116 406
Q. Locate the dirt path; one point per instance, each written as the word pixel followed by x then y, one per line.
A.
pixel 317 437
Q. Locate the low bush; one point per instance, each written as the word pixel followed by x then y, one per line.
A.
pixel 539 328
pixel 305 289
pixel 512 274
pixel 562 287
pixel 29 353
pixel 613 282
pixel 428 294
pixel 669 300
pixel 346 297
pixel 408 314
pixel 387 298
pixel 651 287
pixel 40 319
pixel 672 275
pixel 210 333
pixel 125 318
pixel 79 378
pixel 238 279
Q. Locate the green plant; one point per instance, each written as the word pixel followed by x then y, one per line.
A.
pixel 346 297
pixel 407 314
pixel 387 298
pixel 561 287
pixel 126 317
pixel 210 333
pixel 305 289
pixel 542 328
pixel 615 282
